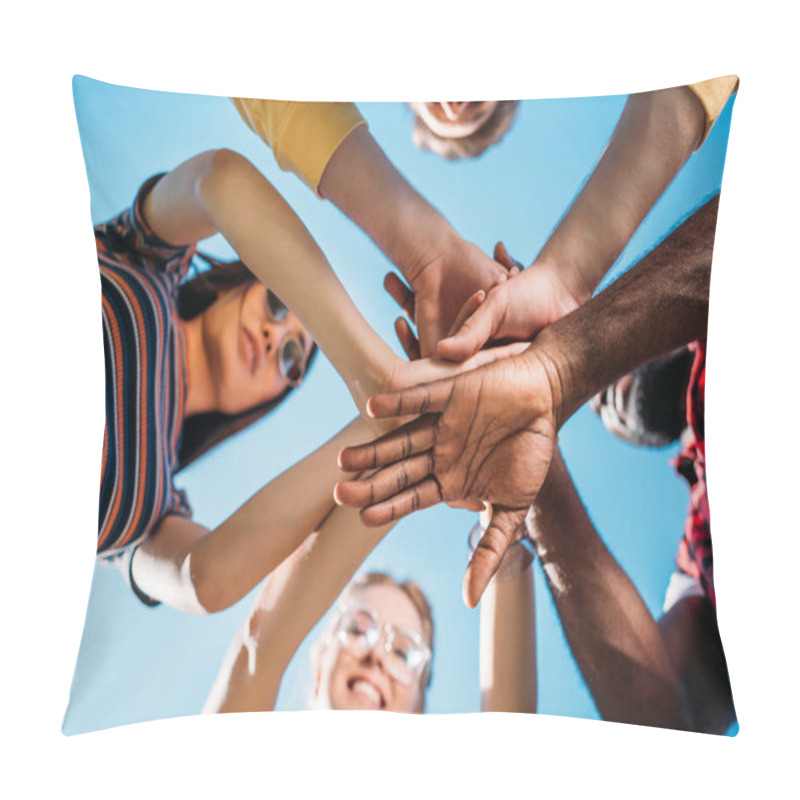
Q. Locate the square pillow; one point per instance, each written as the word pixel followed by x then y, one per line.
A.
pixel 245 325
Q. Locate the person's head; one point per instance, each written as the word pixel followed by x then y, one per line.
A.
pixel 455 130
pixel 377 651
pixel 255 351
pixel 648 406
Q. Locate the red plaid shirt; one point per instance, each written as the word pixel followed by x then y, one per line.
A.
pixel 694 553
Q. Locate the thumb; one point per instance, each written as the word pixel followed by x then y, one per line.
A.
pixel 490 550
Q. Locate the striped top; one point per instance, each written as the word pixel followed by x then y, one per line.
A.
pixel 145 377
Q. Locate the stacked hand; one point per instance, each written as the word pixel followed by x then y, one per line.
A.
pixel 440 288
pixel 397 374
pixel 486 434
pixel 517 308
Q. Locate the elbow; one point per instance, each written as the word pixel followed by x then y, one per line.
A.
pixel 203 590
pixel 683 115
pixel 691 117
pixel 221 171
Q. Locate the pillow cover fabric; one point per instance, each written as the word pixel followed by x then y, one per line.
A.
pixel 234 585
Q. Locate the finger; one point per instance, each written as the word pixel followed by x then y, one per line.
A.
pixel 400 293
pixel 489 552
pixel 423 495
pixel 408 341
pixel 386 483
pixel 467 310
pixel 467 505
pixel 429 397
pixel 491 354
pixel 476 331
pixel 501 255
pixel 409 440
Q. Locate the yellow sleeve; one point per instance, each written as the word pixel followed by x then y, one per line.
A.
pixel 713 95
pixel 303 136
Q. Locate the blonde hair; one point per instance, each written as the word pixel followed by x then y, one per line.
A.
pixel 491 132
pixel 409 588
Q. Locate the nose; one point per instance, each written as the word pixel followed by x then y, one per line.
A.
pixel 377 653
pixel 270 333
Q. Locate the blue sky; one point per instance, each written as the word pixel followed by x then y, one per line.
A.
pixel 137 663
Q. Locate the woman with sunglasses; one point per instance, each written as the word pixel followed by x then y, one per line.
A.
pixel 219 347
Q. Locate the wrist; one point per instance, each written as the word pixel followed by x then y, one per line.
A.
pixel 538 297
pixel 422 245
pixel 571 287
pixel 373 376
pixel 548 380
pixel 518 557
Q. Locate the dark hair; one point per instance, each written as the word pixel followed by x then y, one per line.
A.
pixel 492 131
pixel 201 432
pixel 659 394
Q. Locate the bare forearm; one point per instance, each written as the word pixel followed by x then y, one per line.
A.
pixel 220 191
pixel 656 134
pixel 508 645
pixel 364 184
pixel 614 639
pixel 275 245
pixel 657 306
pixel 233 558
pixel 292 601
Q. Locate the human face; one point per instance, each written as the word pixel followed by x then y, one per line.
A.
pixel 614 406
pixel 364 680
pixel 648 406
pixel 455 120
pixel 253 355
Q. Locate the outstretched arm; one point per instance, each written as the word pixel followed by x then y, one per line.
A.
pixel 292 601
pixel 508 640
pixel 330 148
pixel 222 191
pixel 655 135
pixel 613 637
pixel 442 269
pixel 489 434
pixel 200 571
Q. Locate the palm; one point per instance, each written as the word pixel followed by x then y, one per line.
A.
pixel 487 447
pixel 515 309
pixel 485 435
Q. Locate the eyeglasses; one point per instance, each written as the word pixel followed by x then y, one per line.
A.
pixel 292 360
pixel 406 654
pixel 292 353
pixel 277 310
